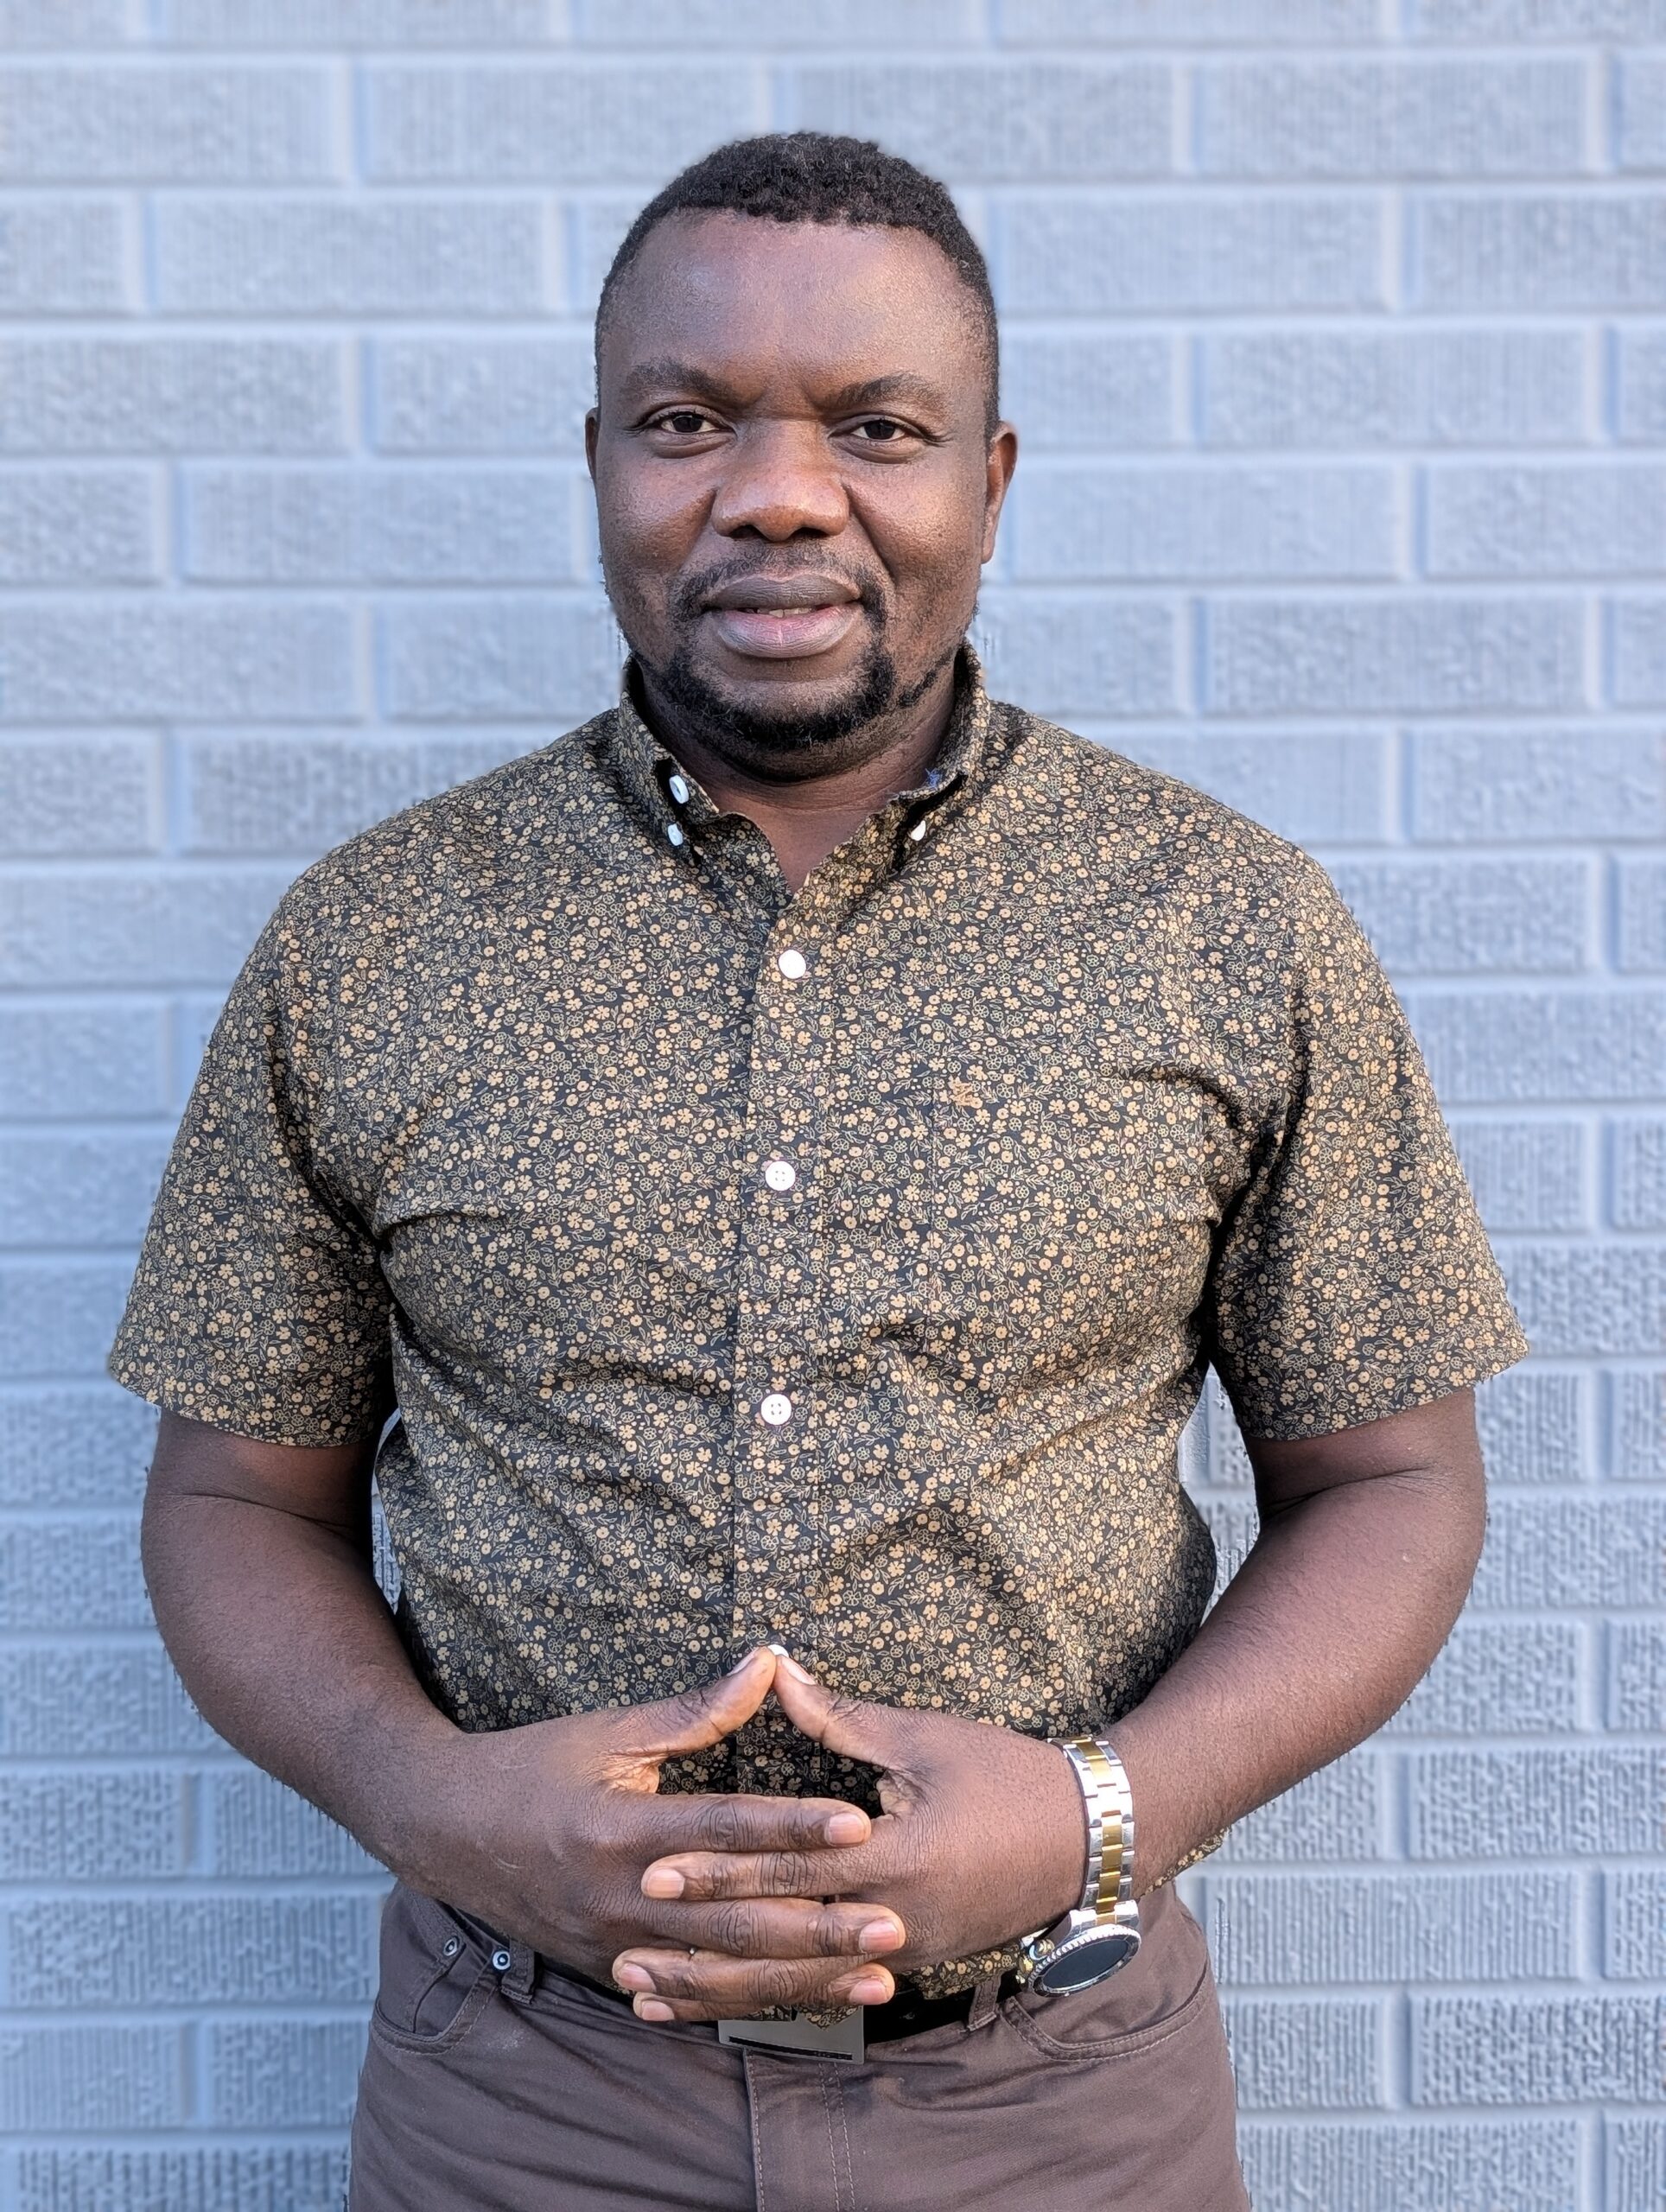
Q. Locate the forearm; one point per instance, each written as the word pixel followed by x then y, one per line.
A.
pixel 1325 1629
pixel 289 1649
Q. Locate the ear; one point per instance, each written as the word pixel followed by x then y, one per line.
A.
pixel 999 464
pixel 591 432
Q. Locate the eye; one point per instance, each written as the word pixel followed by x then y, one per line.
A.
pixel 683 421
pixel 879 431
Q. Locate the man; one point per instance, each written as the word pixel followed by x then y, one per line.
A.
pixel 788 1152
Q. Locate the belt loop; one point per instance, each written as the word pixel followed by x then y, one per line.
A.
pixel 523 1966
pixel 986 2002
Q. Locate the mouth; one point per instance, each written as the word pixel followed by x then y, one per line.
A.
pixel 783 618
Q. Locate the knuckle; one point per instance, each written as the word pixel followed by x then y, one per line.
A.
pixel 833 1934
pixel 722 1825
pixel 734 1928
pixel 776 1981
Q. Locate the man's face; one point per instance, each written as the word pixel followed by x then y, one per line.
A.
pixel 795 480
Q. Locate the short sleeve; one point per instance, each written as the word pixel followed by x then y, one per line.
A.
pixel 1353 1278
pixel 259 1305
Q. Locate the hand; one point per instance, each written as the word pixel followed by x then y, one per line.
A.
pixel 545 1831
pixel 982 1839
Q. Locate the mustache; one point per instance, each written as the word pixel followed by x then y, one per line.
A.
pixel 690 596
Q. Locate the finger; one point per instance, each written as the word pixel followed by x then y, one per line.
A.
pixel 646 1735
pixel 680 1822
pixel 706 1985
pixel 780 1928
pixel 702 1877
pixel 876 1733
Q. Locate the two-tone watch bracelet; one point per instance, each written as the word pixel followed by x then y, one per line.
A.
pixel 1109 1807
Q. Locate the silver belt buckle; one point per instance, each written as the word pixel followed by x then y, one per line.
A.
pixel 798 2037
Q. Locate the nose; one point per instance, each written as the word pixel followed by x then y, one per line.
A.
pixel 781 483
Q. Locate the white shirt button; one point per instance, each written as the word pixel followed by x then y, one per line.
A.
pixel 679 790
pixel 792 964
pixel 780 1175
pixel 776 1409
pixel 673 833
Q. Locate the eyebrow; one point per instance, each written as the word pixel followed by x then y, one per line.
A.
pixel 900 387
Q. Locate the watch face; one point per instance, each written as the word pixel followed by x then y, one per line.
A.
pixel 1089 1959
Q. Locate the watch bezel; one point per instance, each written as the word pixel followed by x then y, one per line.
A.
pixel 1118 1936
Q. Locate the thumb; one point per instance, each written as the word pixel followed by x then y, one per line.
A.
pixel 693 1720
pixel 875 1733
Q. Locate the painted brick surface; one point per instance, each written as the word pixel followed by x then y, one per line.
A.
pixel 1335 331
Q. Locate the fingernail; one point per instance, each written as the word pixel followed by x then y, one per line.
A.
pixel 633 1978
pixel 742 1664
pixel 869 1991
pixel 653 2008
pixel 846 1828
pixel 663 1882
pixel 881 1935
pixel 790 1665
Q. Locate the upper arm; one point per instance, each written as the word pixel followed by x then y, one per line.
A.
pixel 327 1484
pixel 1437 1440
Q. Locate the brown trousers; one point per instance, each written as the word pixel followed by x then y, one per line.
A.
pixel 495 2083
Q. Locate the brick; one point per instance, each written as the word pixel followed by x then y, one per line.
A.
pixel 195 661
pixel 106 1058
pixel 1634 1926
pixel 449 395
pixel 1472 917
pixel 86 1571
pixel 362 257
pixel 212 2177
pixel 1505 2050
pixel 1498 1679
pixel 1061 22
pixel 87 1828
pixel 1334 1815
pixel 96 1700
pixel 215 1949
pixel 1233 1525
pixel 600 226
pixel 1398 118
pixel 1526 1175
pixel 258 1827
pixel 282 2073
pixel 155 123
pixel 480 659
pixel 1590 1300
pixel 82 525
pixel 745 24
pixel 286 792
pixel 1533 1426
pixel 1509 1047
pixel 88 1445
pixel 355 23
pixel 1227 1462
pixel 1072 253
pixel 1639 1425
pixel 1541 19
pixel 1327 788
pixel 1636 1687
pixel 1495 786
pixel 1639 1175
pixel 175 925
pixel 1326 2056
pixel 1541 252
pixel 1480 1804
pixel 1639 652
pixel 65 23
pixel 1020 121
pixel 72 795
pixel 1266 657
pixel 382 525
pixel 1080 520
pixel 91 2077
pixel 1589 520
pixel 57 1318
pixel 71 257
pixel 1551 1553
pixel 1634 2163
pixel 1107 390
pixel 1394 388
pixel 1080 654
pixel 78 1190
pixel 164 395
pixel 1641 363
pixel 1529 2165
pixel 565 122
pixel 1643 111
pixel 1641 944
pixel 1307 1930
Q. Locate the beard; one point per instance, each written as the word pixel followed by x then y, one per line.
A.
pixel 703 705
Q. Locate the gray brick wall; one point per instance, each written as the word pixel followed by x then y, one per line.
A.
pixel 1337 333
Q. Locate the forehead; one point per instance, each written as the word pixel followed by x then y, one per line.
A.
pixel 755 303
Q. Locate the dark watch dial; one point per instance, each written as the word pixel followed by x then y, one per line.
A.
pixel 1085 1960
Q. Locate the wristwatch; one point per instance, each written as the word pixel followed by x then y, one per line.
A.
pixel 1103 1933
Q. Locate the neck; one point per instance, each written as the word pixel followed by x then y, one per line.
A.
pixel 810 812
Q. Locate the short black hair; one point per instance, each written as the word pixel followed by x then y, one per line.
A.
pixel 813 176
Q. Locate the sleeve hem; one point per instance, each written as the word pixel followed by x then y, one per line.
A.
pixel 1414 1390
pixel 262 1424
